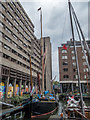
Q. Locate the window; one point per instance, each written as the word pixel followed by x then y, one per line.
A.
pixel 83 57
pixel 15 36
pixel 6 47
pixel 9 14
pixel 1 34
pixel 3 7
pixel 0 43
pixel 16 22
pixel 76 76
pixel 66 76
pixel 65 69
pixel 73 57
pixel 1 24
pixel 2 15
pixel 74 70
pixel 85 69
pixel 15 29
pixel 85 76
pixel 8 30
pixel 10 7
pixel 64 57
pixel 84 63
pixel 72 52
pixel 7 38
pixel 20 41
pixel 9 22
pixel 64 51
pixel 14 44
pixel 13 51
pixel 74 64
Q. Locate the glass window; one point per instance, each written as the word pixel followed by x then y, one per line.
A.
pixel 9 22
pixel 8 39
pixel 16 22
pixel 6 47
pixel 72 52
pixel 76 76
pixel 65 69
pixel 83 57
pixel 66 76
pixel 73 57
pixel 10 7
pixel 2 15
pixel 74 64
pixel 3 7
pixel 85 69
pixel 84 63
pixel 1 24
pixel 15 29
pixel 85 76
pixel 64 57
pixel 8 30
pixel 15 36
pixel 0 43
pixel 9 14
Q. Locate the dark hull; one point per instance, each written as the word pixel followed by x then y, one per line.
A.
pixel 43 109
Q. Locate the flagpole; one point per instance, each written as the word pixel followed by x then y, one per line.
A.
pixel 42 50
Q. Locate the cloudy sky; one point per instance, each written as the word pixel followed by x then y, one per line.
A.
pixel 56 23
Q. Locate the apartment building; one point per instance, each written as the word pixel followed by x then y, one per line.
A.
pixel 17 44
pixel 67 67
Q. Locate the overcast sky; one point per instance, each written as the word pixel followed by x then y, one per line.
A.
pixel 56 23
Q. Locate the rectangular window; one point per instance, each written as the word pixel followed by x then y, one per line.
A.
pixel 9 14
pixel 1 24
pixel 65 69
pixel 85 76
pixel 2 15
pixel 3 7
pixel 64 57
pixel 73 57
pixel 84 63
pixel 10 7
pixel 15 36
pixel 16 22
pixel 74 64
pixel 66 76
pixel 14 44
pixel 6 47
pixel 9 22
pixel 8 30
pixel 72 52
pixel 7 38
pixel 65 63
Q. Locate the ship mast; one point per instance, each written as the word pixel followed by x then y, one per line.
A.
pixel 76 57
pixel 42 49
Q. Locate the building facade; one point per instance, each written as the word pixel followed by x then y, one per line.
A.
pixel 48 63
pixel 67 67
pixel 17 44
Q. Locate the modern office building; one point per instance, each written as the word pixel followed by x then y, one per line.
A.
pixel 17 44
pixel 67 67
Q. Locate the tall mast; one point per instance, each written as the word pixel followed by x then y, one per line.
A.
pixel 77 66
pixel 42 49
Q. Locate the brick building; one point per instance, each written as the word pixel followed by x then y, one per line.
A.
pixel 67 67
